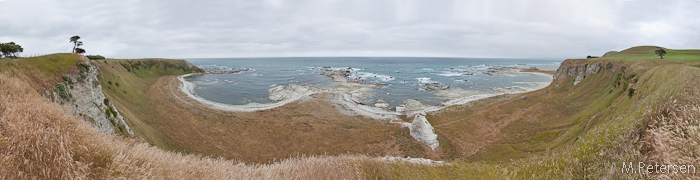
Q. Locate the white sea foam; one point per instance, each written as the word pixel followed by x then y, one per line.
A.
pixel 341 68
pixel 451 73
pixel 365 75
pixel 425 80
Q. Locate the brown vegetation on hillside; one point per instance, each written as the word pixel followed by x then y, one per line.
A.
pixel 41 140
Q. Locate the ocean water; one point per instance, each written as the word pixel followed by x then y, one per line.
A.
pixel 403 77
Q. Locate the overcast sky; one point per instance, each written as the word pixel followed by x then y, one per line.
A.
pixel 276 28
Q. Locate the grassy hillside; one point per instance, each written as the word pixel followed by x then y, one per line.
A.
pixel 647 52
pixel 126 83
pixel 43 71
pixel 630 110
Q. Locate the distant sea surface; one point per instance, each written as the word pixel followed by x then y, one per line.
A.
pixel 404 77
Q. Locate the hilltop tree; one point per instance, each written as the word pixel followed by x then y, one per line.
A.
pixel 76 43
pixel 661 53
pixel 10 49
pixel 79 50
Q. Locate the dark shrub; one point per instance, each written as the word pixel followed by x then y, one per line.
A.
pixel 62 91
pixel 95 57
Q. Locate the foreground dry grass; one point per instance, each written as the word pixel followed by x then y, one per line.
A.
pixel 41 140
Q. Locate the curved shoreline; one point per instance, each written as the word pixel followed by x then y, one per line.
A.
pixel 188 88
pixel 344 99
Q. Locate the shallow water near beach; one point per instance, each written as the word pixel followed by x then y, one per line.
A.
pixel 402 78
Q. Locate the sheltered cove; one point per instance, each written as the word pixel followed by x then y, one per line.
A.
pixel 346 98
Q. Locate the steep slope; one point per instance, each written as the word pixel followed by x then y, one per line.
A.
pixel 70 80
pixel 126 84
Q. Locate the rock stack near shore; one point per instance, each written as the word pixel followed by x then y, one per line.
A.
pixel 342 75
pixel 422 131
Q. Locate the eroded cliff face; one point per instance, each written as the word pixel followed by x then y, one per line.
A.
pixel 577 69
pixel 83 96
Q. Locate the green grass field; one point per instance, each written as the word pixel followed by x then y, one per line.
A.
pixel 681 55
pixel 47 66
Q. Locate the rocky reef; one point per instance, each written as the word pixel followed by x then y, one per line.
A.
pixel 218 70
pixel 280 92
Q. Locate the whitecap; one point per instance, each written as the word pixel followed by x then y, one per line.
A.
pixel 425 80
pixel 365 75
pixel 450 74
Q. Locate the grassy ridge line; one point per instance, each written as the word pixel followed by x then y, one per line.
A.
pixel 647 52
pixel 42 72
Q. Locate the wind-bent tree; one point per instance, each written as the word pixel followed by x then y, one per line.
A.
pixel 661 53
pixel 76 43
pixel 10 50
pixel 79 50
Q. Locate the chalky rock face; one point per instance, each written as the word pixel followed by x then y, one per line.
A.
pixel 422 131
pixel 567 69
pixel 87 101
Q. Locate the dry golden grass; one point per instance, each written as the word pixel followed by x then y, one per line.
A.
pixel 42 140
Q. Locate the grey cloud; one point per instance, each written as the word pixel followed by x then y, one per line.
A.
pixel 488 28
